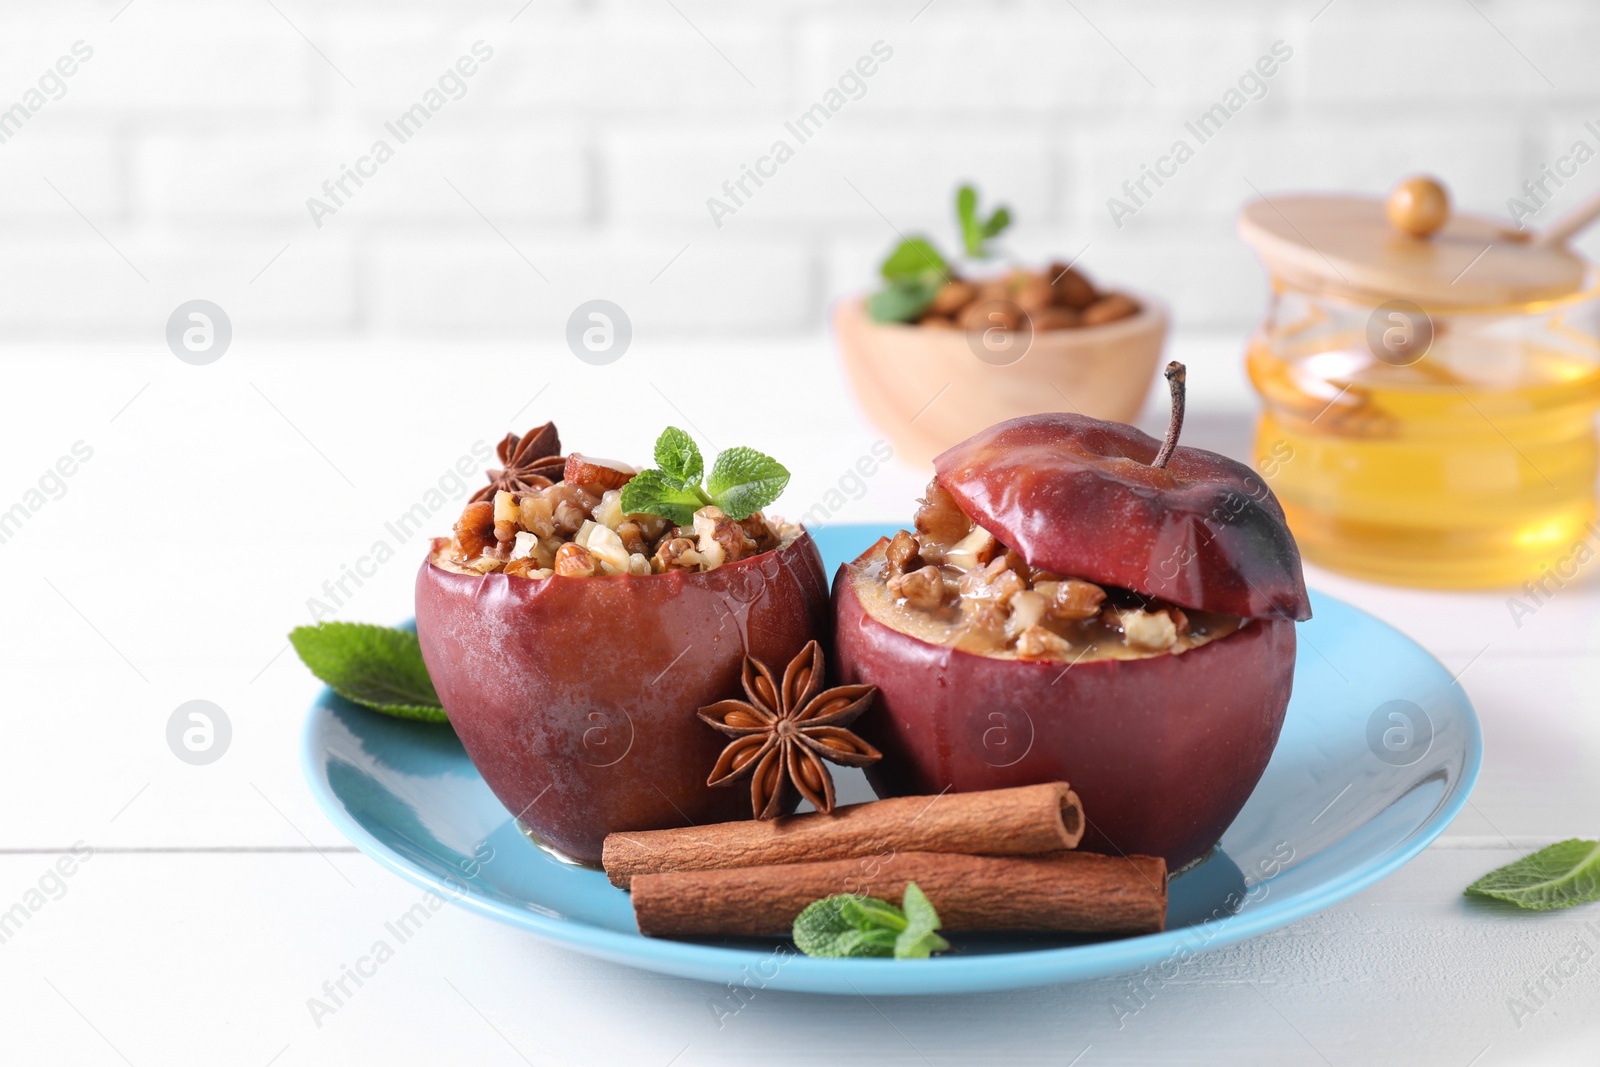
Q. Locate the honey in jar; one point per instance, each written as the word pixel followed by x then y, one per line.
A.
pixel 1429 398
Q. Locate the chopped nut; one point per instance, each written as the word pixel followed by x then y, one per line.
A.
pixel 474 531
pixel 527 568
pixel 606 548
pixel 506 514
pixel 901 554
pixel 721 539
pixel 609 511
pixel 995 581
pixel 571 506
pixel 574 561
pixel 1027 610
pixel 535 514
pixel 759 530
pixel 940 521
pixel 638 563
pixel 486 564
pixel 1038 643
pixel 973 550
pixel 652 526
pixel 674 554
pixel 633 538
pixel 922 588
pixel 1154 631
pixel 1071 600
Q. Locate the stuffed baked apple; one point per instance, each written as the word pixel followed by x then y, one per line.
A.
pixel 584 612
pixel 1081 602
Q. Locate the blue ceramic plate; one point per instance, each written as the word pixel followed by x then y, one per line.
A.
pixel 1378 753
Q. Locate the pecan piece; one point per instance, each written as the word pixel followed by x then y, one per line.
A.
pixel 571 505
pixel 901 554
pixel 675 554
pixel 721 536
pixel 922 588
pixel 1072 600
pixel 1036 642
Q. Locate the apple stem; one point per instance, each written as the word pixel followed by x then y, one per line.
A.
pixel 1175 376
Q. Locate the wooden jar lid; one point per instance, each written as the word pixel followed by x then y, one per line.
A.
pixel 1347 245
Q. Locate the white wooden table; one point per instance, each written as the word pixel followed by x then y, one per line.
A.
pixel 215 900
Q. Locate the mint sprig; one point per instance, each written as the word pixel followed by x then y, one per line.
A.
pixel 915 271
pixel 975 232
pixel 742 482
pixel 377 667
pixel 855 927
pixel 1557 876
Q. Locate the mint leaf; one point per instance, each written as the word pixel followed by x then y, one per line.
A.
pixel 975 232
pixel 659 493
pixel 1557 876
pixel 832 928
pixel 997 222
pixel 375 666
pixel 903 299
pixel 868 913
pixel 850 926
pixel 743 481
pixel 678 456
pixel 918 940
pixel 914 256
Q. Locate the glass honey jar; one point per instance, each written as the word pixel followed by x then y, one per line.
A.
pixel 1429 388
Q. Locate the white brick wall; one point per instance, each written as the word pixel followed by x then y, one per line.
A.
pixel 593 136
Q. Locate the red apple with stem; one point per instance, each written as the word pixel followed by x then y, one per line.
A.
pixel 1164 749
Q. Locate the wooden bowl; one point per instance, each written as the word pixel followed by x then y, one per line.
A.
pixel 927 388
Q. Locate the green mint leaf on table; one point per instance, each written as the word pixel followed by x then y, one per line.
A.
pixel 678 456
pixel 903 299
pixel 659 493
pixel 375 666
pixel 743 481
pixel 853 927
pixel 914 257
pixel 1557 876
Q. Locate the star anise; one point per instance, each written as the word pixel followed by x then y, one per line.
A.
pixel 783 733
pixel 531 461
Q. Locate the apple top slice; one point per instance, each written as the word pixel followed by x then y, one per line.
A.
pixel 1082 497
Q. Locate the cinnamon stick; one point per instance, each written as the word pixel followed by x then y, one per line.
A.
pixel 1021 821
pixel 1063 892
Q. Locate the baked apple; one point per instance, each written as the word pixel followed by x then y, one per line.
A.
pixel 572 642
pixel 1083 603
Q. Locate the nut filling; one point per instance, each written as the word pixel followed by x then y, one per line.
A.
pixel 951 583
pixel 576 529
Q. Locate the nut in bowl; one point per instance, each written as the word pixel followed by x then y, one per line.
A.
pixel 937 354
pixel 1081 603
pixel 573 628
